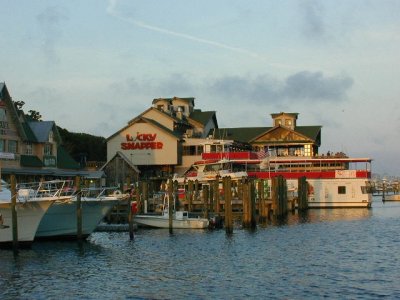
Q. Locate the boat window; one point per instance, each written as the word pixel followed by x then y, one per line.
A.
pixel 341 190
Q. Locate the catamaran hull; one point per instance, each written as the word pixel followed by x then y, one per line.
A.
pixel 60 221
pixel 29 215
pixel 163 222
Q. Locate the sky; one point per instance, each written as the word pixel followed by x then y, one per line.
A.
pixel 93 65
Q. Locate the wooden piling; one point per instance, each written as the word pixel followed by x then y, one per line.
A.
pixel 130 213
pixel 262 207
pixel 252 204
pixel 228 205
pixel 14 216
pixel 170 205
pixel 245 204
pixel 205 200
pixel 216 195
pixel 302 190
pixel 190 196
pixel 279 196
pixel 78 208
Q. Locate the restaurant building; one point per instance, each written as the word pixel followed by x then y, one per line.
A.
pixel 171 135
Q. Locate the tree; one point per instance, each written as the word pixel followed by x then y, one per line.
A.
pixel 34 115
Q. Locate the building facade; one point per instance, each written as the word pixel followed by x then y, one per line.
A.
pixel 171 135
pixel 30 149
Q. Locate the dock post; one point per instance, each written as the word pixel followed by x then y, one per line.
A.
pixel 216 195
pixel 78 208
pixel 14 217
pixel 252 204
pixel 170 205
pixel 302 193
pixel 190 188
pixel 245 204
pixel 262 209
pixel 196 191
pixel 228 205
pixel 205 200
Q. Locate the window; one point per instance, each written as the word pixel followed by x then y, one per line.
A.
pixel 288 122
pixel 3 116
pixel 51 136
pixel 2 145
pixel 341 190
pixel 48 149
pixel 28 148
pixel 278 122
pixel 12 146
pixel 189 150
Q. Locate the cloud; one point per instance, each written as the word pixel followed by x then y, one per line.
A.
pixel 112 10
pixel 313 19
pixel 49 22
pixel 304 86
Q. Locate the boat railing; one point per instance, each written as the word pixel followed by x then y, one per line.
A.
pixel 48 189
pixel 101 192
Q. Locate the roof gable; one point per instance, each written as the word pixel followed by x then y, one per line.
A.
pixel 42 129
pixel 281 134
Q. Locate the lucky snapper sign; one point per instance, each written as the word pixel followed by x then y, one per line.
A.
pixel 141 141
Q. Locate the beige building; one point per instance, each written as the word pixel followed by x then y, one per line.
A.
pixel 169 136
pixel 156 140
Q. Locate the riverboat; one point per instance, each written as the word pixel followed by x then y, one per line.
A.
pixel 60 221
pixel 333 181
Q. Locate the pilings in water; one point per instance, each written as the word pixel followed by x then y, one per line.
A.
pixel 279 196
pixel 249 204
pixel 228 204
pixel 78 208
pixel 302 191
pixel 170 204
pixel 14 217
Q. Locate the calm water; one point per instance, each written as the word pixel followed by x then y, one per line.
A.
pixel 342 253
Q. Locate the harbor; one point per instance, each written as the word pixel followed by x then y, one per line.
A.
pixel 331 253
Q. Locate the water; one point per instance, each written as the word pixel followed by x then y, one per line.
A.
pixel 337 254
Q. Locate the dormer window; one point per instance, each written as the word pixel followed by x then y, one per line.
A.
pixel 48 149
pixel 51 136
pixel 288 122
pixel 278 122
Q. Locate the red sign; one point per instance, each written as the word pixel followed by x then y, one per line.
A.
pixel 141 141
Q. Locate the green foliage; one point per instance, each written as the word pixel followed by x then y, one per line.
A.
pixel 82 145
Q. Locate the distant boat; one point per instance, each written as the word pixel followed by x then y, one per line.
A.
pixel 60 221
pixel 180 219
pixel 395 197
pixel 31 205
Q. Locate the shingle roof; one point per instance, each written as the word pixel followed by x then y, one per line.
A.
pixel 247 134
pixel 243 134
pixel 203 116
pixel 41 130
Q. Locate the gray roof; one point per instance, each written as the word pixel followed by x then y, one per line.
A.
pixel 42 130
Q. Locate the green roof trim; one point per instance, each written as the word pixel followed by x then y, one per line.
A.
pixel 65 161
pixel 31 161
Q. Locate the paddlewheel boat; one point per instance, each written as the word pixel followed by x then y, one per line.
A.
pixel 333 181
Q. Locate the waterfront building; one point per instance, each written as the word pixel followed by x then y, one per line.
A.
pixel 171 135
pixel 31 149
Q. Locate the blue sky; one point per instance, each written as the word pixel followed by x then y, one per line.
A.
pixel 91 66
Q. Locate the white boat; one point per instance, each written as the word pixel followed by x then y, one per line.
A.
pixel 31 205
pixel 180 219
pixel 60 221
